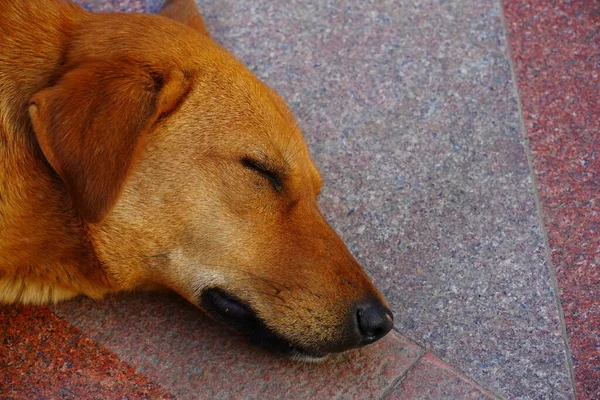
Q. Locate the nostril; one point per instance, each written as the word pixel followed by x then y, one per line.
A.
pixel 374 321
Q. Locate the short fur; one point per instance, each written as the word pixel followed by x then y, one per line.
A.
pixel 122 147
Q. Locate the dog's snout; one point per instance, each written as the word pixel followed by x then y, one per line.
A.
pixel 373 320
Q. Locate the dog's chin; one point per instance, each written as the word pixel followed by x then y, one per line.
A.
pixel 293 353
pixel 230 310
pixel 300 356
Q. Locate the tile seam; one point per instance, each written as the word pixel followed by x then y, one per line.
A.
pixel 86 334
pixel 538 202
pixel 400 378
pixel 424 349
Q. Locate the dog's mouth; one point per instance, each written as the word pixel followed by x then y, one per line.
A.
pixel 234 312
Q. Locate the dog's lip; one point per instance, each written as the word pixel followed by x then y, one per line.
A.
pixel 234 312
pixel 298 354
pixel 295 353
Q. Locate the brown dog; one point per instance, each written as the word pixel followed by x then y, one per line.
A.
pixel 135 153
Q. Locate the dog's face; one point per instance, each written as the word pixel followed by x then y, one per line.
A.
pixel 220 204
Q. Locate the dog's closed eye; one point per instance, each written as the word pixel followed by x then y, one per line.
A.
pixel 273 177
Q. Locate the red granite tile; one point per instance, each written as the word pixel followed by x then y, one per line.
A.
pixel 435 380
pixel 196 358
pixel 42 356
pixel 556 50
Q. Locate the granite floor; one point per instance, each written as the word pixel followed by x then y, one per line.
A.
pixel 459 144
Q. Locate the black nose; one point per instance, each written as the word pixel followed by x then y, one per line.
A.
pixel 374 321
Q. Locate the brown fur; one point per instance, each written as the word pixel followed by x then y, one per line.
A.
pixel 121 140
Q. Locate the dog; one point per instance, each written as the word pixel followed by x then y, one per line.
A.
pixel 137 154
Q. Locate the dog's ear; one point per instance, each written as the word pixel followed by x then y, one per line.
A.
pixel 186 12
pixel 92 124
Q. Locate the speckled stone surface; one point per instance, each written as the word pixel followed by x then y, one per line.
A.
pixel 556 47
pixel 432 379
pixel 412 115
pixel 172 342
pixel 44 357
pixel 113 5
pixel 411 112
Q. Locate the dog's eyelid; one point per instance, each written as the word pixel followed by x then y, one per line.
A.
pixel 264 170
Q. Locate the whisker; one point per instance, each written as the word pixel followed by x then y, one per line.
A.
pixel 263 279
pixel 294 148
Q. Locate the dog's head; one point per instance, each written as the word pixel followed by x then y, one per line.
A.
pixel 193 175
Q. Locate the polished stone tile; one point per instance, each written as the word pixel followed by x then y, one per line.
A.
pixel 43 357
pixel 112 5
pixel 556 48
pixel 412 114
pixel 172 342
pixel 432 379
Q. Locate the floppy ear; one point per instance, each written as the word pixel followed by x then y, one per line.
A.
pixel 92 124
pixel 186 12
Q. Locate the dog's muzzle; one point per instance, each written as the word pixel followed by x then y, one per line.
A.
pixel 367 322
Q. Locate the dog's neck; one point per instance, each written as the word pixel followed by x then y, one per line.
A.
pixel 41 236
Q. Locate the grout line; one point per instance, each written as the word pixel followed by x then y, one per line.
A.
pixel 411 340
pixel 103 347
pixel 538 204
pixel 399 379
pixel 458 371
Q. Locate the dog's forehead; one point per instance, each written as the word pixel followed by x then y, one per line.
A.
pixel 238 108
pixel 235 115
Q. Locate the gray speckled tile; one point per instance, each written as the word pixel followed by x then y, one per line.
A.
pixel 171 342
pixel 112 5
pixel 431 379
pixel 411 113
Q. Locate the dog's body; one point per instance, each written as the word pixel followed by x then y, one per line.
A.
pixel 135 153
